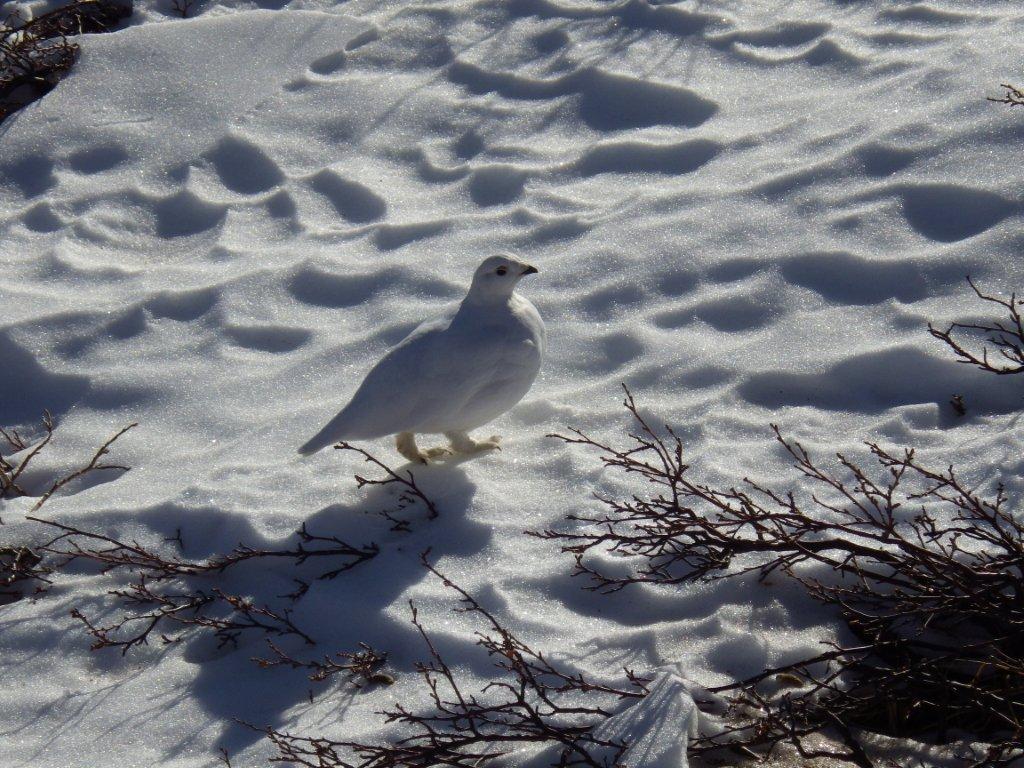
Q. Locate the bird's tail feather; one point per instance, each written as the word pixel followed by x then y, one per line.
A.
pixel 334 431
pixel 312 446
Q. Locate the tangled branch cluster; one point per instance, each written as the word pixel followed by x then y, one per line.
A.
pixel 362 667
pixel 35 54
pixel 1005 337
pixel 534 703
pixel 19 566
pixel 927 573
pixel 160 595
pixel 168 595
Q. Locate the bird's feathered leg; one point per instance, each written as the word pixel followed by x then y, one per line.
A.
pixel 405 442
pixel 462 443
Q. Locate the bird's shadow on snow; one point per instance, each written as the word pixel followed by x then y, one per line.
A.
pixel 364 605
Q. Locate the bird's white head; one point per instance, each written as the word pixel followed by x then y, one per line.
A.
pixel 497 276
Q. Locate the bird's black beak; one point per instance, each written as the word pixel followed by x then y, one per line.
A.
pixel 530 270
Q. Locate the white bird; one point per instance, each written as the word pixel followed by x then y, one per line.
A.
pixel 452 374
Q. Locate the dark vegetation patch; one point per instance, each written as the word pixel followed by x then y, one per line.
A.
pixel 36 53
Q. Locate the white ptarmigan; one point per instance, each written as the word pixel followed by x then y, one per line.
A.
pixel 451 374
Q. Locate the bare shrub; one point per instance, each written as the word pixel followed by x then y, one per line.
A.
pixel 925 570
pixel 534 702
pixel 1004 337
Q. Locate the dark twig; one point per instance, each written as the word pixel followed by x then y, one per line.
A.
pixel 364 665
pixel 182 7
pixel 186 607
pixel 1013 96
pixel 162 598
pixel 409 495
pixel 20 565
pixel 109 553
pixel 186 610
pixel 94 465
pixel 10 472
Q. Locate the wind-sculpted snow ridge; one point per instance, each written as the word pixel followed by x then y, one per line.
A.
pixel 746 212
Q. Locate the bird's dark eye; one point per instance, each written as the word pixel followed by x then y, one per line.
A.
pixel 502 271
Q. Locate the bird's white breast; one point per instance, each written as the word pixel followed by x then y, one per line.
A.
pixel 500 356
pixel 527 337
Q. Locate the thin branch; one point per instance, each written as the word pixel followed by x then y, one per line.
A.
pixel 1002 350
pixel 410 493
pixel 364 665
pixel 94 465
pixel 1013 96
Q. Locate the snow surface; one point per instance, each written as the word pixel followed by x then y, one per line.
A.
pixel 746 211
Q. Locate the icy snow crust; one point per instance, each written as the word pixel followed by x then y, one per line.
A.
pixel 747 212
